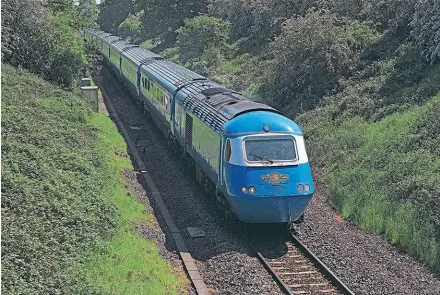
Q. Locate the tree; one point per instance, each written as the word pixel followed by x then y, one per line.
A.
pixel 199 34
pixel 60 5
pixel 113 12
pixel 162 18
pixel 131 28
pixel 311 56
pixel 426 29
pixel 88 13
pixel 257 22
pixel 42 40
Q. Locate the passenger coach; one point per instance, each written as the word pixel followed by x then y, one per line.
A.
pixel 251 159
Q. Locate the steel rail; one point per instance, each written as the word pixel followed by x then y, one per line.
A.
pixel 319 264
pixel 327 275
pixel 271 271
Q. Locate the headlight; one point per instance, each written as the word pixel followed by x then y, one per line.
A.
pixel 300 188
pixel 252 190
pixel 306 187
pixel 244 190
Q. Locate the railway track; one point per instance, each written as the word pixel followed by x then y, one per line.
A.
pixel 295 268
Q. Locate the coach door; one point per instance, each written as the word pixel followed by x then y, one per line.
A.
pixel 188 131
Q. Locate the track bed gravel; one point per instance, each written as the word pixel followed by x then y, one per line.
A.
pixel 225 262
pixel 153 230
pixel 366 263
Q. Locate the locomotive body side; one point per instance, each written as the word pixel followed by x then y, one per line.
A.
pixel 251 158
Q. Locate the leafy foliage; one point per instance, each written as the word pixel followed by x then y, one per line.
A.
pixel 384 174
pixel 162 18
pixel 113 12
pixel 131 29
pixel 426 29
pixel 42 40
pixel 256 23
pixel 67 219
pixel 53 187
pixel 87 13
pixel 200 34
pixel 315 52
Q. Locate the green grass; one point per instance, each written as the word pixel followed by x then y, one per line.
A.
pixel 385 174
pixel 129 264
pixel 68 217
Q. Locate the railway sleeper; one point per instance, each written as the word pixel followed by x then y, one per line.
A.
pixel 299 268
pixel 309 285
pixel 300 273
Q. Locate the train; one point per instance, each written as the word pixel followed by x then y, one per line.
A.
pixel 249 158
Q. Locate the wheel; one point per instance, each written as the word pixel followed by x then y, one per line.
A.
pixel 300 219
pixel 207 185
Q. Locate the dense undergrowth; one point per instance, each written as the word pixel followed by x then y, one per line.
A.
pixel 377 142
pixel 385 174
pixel 68 216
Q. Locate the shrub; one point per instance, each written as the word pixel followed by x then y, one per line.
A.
pixel 202 34
pixel 311 57
pixel 42 41
pixel 68 219
pixel 384 174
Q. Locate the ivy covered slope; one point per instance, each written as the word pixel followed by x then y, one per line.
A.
pixel 67 216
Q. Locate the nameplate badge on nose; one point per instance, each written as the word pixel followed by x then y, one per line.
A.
pixel 274 178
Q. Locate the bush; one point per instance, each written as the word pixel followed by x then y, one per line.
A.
pixel 68 221
pixel 384 174
pixel 54 205
pixel 42 41
pixel 311 57
pixel 202 34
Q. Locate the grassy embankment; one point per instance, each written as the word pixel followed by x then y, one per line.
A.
pixel 68 216
pixel 378 145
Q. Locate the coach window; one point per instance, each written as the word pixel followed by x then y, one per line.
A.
pixel 227 150
pixel 164 99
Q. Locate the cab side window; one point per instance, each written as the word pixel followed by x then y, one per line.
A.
pixel 227 150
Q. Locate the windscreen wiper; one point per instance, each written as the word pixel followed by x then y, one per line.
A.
pixel 261 158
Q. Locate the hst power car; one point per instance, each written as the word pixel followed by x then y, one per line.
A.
pixel 248 156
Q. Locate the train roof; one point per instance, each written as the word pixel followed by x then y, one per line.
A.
pixel 252 122
pixel 101 33
pixel 140 55
pixel 110 39
pixel 120 45
pixel 211 102
pixel 102 36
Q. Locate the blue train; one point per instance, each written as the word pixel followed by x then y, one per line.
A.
pixel 248 157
